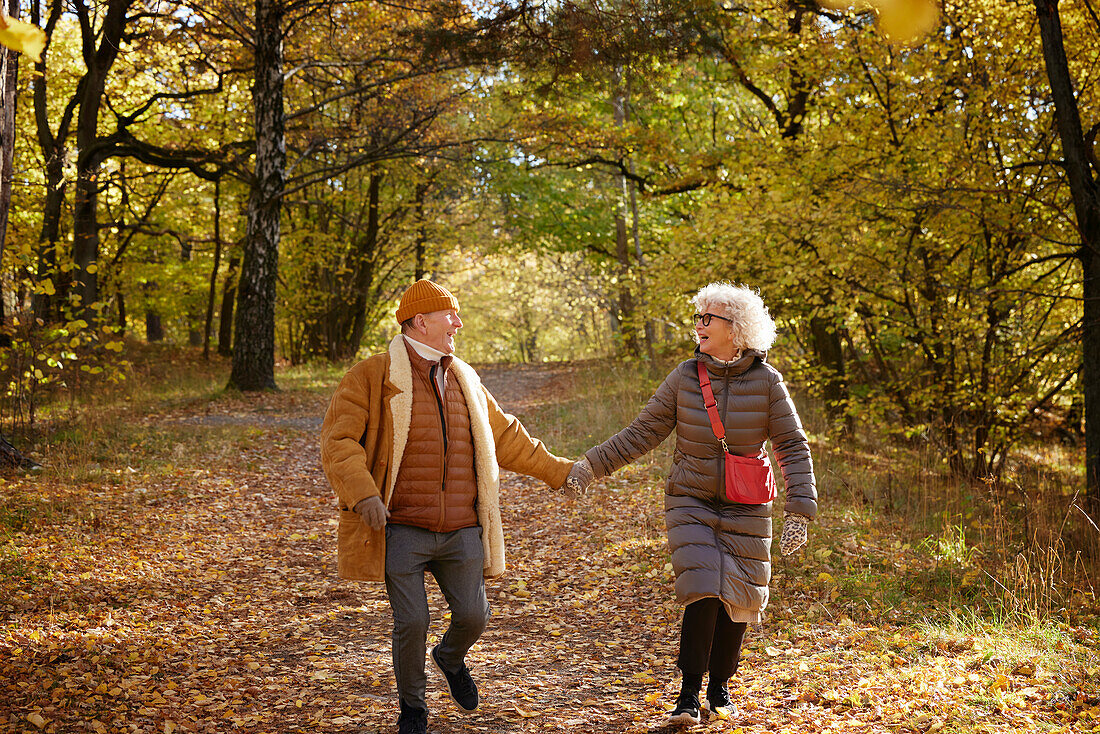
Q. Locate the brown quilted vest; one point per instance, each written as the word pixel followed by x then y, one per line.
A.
pixel 436 485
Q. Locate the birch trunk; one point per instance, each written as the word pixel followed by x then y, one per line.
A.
pixel 9 70
pixel 254 347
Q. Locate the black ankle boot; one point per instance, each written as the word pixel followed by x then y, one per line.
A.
pixel 412 721
pixel 687 707
pixel 718 699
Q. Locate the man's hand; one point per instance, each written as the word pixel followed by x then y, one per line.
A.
pixel 373 512
pixel 794 533
pixel 579 480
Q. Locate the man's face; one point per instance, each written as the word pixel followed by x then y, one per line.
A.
pixel 438 329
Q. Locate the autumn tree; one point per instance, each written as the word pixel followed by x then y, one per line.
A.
pixel 374 121
pixel 587 65
pixel 97 36
pixel 817 161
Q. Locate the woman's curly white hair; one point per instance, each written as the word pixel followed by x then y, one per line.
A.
pixel 752 326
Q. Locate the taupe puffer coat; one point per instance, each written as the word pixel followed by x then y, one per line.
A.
pixel 719 548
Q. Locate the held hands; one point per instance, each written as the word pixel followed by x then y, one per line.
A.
pixel 794 533
pixel 373 512
pixel 579 480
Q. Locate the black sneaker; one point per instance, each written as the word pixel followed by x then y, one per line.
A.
pixel 719 703
pixel 412 721
pixel 687 709
pixel 461 686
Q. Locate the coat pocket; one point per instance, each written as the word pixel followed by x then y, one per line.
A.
pixel 749 479
pixel 361 550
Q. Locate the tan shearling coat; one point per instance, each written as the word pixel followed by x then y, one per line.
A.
pixel 363 439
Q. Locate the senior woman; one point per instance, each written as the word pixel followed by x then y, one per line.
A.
pixel 719 528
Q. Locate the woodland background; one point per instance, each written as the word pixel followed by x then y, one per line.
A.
pixel 207 201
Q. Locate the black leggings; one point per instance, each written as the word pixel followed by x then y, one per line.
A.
pixel 709 641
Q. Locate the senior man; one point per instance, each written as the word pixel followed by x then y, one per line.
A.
pixel 411 443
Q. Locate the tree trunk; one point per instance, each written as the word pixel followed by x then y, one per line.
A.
pixel 630 198
pixel 213 270
pixel 86 238
pixel 421 230
pixel 627 316
pixel 829 350
pixel 13 458
pixel 365 274
pixel 86 198
pixel 337 331
pixel 254 351
pixel 1085 192
pixel 154 327
pixel 1090 368
pixel 194 336
pixel 53 152
pixel 229 299
pixel 45 304
pixel 650 332
pixel 9 71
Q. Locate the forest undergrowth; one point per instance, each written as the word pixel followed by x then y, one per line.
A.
pixel 172 569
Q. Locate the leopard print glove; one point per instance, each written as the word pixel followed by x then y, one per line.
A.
pixel 579 480
pixel 794 533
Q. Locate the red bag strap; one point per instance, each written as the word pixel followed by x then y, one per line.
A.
pixel 711 405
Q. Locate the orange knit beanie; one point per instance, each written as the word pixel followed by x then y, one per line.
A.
pixel 424 296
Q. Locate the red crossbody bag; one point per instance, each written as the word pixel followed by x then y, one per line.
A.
pixel 749 479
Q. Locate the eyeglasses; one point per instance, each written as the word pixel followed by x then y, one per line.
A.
pixel 706 317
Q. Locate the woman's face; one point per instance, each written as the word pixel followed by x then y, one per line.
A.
pixel 715 339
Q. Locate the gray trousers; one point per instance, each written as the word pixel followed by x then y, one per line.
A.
pixel 456 560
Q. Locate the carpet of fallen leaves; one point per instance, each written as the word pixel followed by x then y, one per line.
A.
pixel 202 598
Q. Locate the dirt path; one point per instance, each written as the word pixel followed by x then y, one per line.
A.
pixel 206 600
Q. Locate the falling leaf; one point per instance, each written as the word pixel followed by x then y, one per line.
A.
pixel 902 21
pixel 907 21
pixel 22 37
